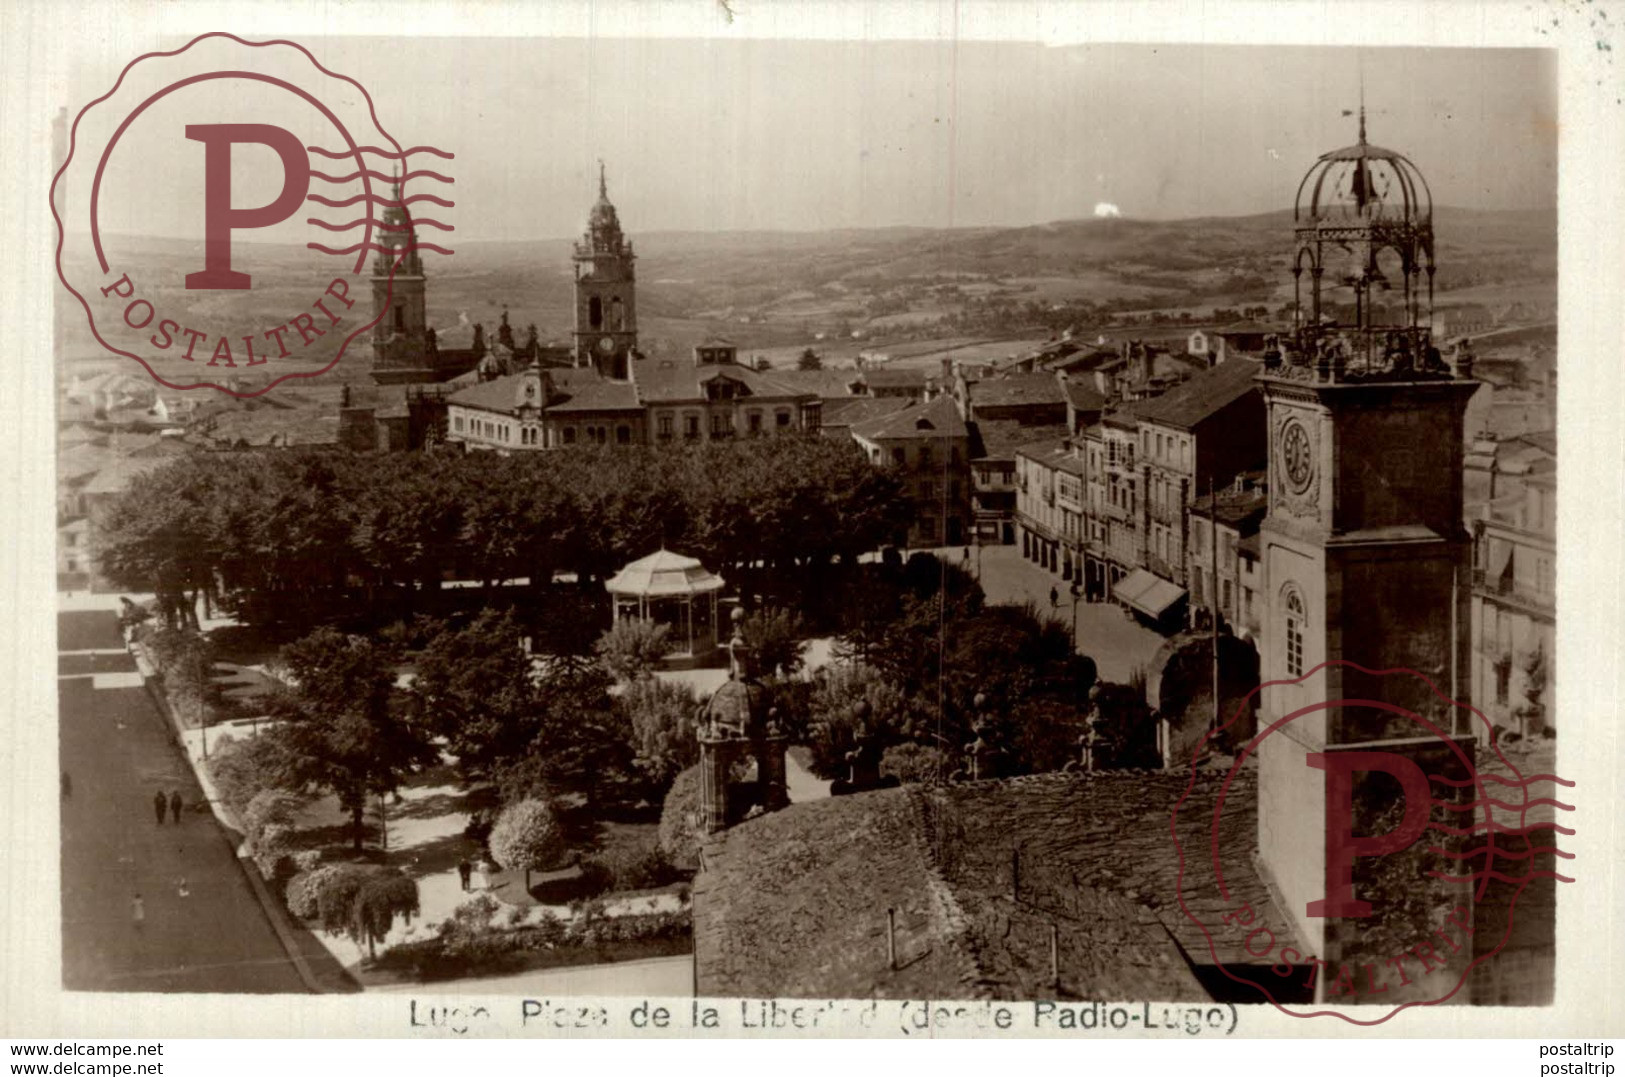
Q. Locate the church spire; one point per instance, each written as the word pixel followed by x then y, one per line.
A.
pixel 603 188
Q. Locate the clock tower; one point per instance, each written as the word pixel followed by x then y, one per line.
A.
pixel 1364 547
pixel 606 332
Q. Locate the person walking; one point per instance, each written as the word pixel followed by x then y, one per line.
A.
pixel 138 912
pixel 175 806
pixel 160 804
pixel 465 870
pixel 67 785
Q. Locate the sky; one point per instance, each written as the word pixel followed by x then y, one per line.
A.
pixel 703 135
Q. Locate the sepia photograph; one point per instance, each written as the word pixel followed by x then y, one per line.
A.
pixel 813 522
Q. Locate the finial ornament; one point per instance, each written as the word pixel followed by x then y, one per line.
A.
pixel 603 187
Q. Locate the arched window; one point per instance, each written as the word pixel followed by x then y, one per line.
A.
pixel 595 312
pixel 1296 618
pixel 617 313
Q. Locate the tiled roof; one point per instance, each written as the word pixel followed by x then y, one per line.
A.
pixel 665 381
pixel 578 390
pixel 998 439
pixel 1241 511
pixel 1187 404
pixel 794 904
pixel 1009 389
pixel 916 376
pixel 1057 455
pixel 1083 395
pixel 828 384
pixel 984 876
pixel 848 410
pixel 930 419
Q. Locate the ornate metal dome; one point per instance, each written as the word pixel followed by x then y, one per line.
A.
pixel 1363 181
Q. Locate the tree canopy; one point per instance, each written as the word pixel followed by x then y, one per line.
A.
pixel 295 535
pixel 340 731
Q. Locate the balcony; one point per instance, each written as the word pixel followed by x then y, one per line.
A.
pixel 1509 591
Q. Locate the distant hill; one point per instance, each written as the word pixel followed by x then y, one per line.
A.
pixel 784 288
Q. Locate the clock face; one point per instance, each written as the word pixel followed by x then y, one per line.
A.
pixel 606 345
pixel 1295 456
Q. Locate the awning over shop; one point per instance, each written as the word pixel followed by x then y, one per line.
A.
pixel 1150 594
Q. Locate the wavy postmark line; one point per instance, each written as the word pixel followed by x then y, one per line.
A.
pixel 371 247
pixel 1492 827
pixel 1202 751
pixel 1503 854
pixel 359 173
pixel 61 241
pixel 375 200
pixel 399 155
pixel 383 226
pixel 1488 874
pixel 1474 805
pixel 1526 782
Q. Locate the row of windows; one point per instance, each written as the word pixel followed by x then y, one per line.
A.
pixel 721 423
pixel 492 430
pixel 1171 449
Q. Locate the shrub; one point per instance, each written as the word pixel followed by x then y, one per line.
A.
pixel 269 807
pixel 632 648
pixel 302 894
pixel 271 848
pixel 775 637
pixel 384 897
pixel 336 893
pixel 680 823
pixel 242 769
pixel 627 869
pixel 527 837
pixel 662 718
pixel 911 762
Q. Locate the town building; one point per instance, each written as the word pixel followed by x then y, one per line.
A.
pixel 1223 566
pixel 932 891
pixel 1120 490
pixel 1514 596
pixel 405 348
pixel 929 444
pixel 613 395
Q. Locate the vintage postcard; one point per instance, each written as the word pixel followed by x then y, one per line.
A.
pixel 709 519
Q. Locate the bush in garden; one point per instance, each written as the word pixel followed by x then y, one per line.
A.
pixel 384 897
pixel 303 890
pixel 527 837
pixel 270 807
pixel 910 762
pixel 680 823
pixel 633 648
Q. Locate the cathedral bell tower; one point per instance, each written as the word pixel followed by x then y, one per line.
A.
pixel 1364 547
pixel 606 332
pixel 400 346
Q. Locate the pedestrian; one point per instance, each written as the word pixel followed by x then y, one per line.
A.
pixel 464 871
pixel 1054 597
pixel 160 804
pixel 138 911
pixel 175 805
pixel 67 785
pixel 182 888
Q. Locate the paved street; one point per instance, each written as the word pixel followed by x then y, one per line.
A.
pixel 1118 644
pixel 115 747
